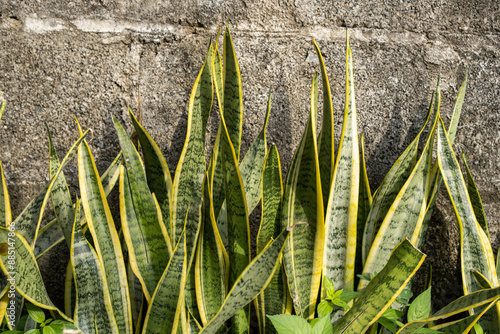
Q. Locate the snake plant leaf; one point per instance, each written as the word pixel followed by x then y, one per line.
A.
pixel 382 290
pixel 217 74
pixel 61 197
pixel 146 243
pixel 483 282
pixel 342 209
pixel 273 299
pixel 186 188
pixel 435 174
pixel 250 283
pixel 465 325
pixel 364 205
pixel 163 314
pixel 233 97
pixel 23 272
pixel 163 227
pixel 238 224
pixel 105 237
pixel 136 297
pixel 28 222
pixel 157 172
pixel 93 311
pixel 48 237
pixel 3 103
pixel 147 247
pixel 69 291
pixel 251 173
pixel 475 199
pixel 5 211
pixel 303 205
pixel 326 148
pixel 391 185
pixel 212 263
pixel 409 207
pixel 463 304
pixel 51 234
pixel 475 247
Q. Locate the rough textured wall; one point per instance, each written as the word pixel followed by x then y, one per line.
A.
pixel 91 59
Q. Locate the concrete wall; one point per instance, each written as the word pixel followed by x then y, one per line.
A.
pixel 92 58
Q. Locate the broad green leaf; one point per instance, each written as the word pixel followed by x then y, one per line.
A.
pixel 28 222
pixel 105 237
pixel 303 206
pixel 157 172
pixel 323 326
pixel 391 185
pixel 408 207
pixel 462 304
pixel 188 180
pixel 342 210
pixel 475 248
pixel 51 234
pixel 475 199
pixel 421 307
pixel 273 299
pixel 146 243
pixel 326 148
pixel 59 325
pixel 61 197
pixel 290 324
pixel 250 283
pixel 35 313
pixel 382 290
pixel 364 205
pixel 93 311
pixel 23 270
pixel 163 315
pixel 212 263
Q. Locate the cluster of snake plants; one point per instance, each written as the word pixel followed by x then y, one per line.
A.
pixel 181 260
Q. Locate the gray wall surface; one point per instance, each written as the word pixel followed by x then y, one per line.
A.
pixel 91 59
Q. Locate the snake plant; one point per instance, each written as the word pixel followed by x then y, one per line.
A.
pixel 181 260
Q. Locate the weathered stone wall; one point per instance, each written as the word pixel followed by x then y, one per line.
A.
pixel 91 59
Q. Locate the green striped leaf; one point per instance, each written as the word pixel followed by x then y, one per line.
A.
pixel 483 282
pixel 51 234
pixel 251 173
pixel 251 282
pixel 475 248
pixel 93 311
pixel 409 206
pixel 3 103
pixel 163 315
pixel 147 248
pixel 342 210
pixel 212 263
pixel 273 299
pixel 23 272
pixel 391 185
pixel 146 244
pixel 61 197
pixel 326 140
pixel 364 205
pixel 465 325
pixel 462 304
pixel 186 188
pixel 157 172
pixel 232 108
pixel 105 237
pixel 69 290
pixel 28 222
pixel 303 205
pixel 382 290
pixel 238 224
pixel 475 199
